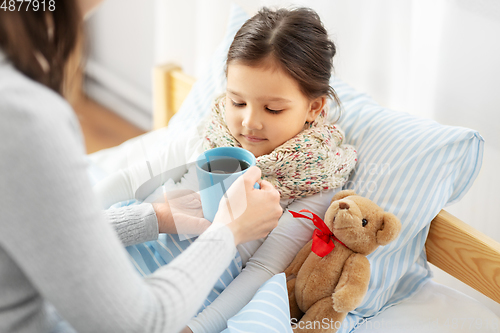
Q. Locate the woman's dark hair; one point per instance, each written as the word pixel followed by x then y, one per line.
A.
pixel 40 43
pixel 297 41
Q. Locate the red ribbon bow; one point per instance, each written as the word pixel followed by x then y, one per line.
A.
pixel 322 237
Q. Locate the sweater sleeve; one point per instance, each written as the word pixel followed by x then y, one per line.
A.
pixel 134 224
pixel 52 227
pixel 272 257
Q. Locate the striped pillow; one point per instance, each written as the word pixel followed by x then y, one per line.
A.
pixel 411 167
pixel 268 311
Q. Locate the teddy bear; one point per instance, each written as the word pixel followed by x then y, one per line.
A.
pixel 329 276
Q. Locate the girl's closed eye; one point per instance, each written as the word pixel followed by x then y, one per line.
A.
pixel 273 111
pixel 238 104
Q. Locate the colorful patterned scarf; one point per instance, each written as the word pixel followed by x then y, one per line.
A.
pixel 313 161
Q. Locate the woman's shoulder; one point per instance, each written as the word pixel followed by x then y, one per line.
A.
pixel 26 105
pixel 33 115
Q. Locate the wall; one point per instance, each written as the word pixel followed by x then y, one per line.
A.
pixel 120 57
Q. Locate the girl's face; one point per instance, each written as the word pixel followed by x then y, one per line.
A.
pixel 265 107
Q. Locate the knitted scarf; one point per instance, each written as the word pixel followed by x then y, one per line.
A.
pixel 313 161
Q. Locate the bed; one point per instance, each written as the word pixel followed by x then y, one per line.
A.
pixel 451 244
pixel 452 157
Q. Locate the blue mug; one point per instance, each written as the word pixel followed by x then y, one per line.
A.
pixel 217 169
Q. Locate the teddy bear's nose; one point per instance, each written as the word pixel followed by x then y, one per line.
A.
pixel 343 205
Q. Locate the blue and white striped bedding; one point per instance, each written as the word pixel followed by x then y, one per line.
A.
pixel 268 310
pixel 149 256
pixel 410 166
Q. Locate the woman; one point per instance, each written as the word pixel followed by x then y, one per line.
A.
pixel 48 215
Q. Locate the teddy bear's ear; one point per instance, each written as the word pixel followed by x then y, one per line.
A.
pixel 389 230
pixel 343 194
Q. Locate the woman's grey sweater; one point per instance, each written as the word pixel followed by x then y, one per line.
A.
pixel 59 250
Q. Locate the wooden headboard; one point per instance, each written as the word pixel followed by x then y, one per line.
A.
pixel 170 87
pixel 452 245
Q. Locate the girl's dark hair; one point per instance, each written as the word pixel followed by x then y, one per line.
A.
pixel 297 41
pixel 42 43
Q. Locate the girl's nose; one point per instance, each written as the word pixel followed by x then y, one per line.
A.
pixel 251 120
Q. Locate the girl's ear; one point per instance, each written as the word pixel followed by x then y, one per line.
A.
pixel 315 108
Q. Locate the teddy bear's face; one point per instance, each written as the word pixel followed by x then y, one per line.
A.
pixel 360 224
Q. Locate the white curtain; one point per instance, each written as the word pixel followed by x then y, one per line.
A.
pixel 433 58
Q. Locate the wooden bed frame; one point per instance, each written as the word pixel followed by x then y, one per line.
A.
pixel 451 245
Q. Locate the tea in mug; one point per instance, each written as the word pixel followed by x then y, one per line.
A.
pixel 225 165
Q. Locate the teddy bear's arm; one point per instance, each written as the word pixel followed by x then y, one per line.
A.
pixel 353 283
pixel 291 277
pixel 293 269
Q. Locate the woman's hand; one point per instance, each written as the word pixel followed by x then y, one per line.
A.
pixel 180 213
pixel 248 212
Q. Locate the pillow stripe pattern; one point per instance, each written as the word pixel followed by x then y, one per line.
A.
pixel 411 167
pixel 268 311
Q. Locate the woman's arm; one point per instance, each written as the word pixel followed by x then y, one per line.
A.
pixel 273 256
pixel 179 212
pixel 134 224
pixel 52 228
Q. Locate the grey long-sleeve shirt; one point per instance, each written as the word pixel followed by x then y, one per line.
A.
pixel 58 248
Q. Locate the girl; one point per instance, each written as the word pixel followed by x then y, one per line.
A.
pixel 278 71
pixel 48 212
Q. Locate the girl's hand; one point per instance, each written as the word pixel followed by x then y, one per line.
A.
pixel 180 213
pixel 248 212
